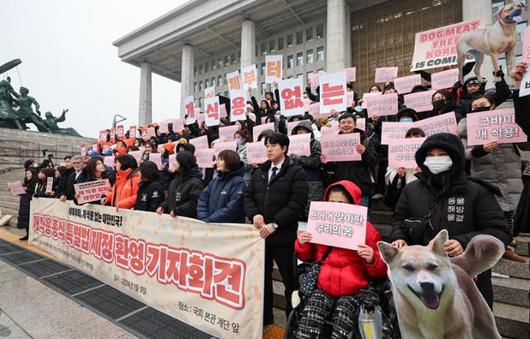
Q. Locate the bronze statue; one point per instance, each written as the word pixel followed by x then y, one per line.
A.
pixel 25 111
pixel 51 123
pixel 8 99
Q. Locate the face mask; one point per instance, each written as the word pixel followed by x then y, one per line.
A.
pixel 358 109
pixel 481 109
pixel 239 142
pixel 438 164
pixel 438 105
pixel 406 119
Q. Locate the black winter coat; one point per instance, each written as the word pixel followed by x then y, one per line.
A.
pixel 149 197
pixel 282 201
pixel 184 191
pixel 62 182
pixel 522 118
pixel 24 206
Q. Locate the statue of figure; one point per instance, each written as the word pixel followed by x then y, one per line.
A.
pixel 25 111
pixel 51 123
pixel 8 98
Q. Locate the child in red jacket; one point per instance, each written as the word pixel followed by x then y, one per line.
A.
pixel 342 275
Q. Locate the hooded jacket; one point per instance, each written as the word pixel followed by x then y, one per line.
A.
pixel 463 206
pixel 281 201
pixel 185 189
pixel 123 194
pixel 149 196
pixel 310 164
pixel 344 272
pixel 501 93
pixel 222 199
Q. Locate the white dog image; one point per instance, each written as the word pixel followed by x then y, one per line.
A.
pixel 497 39
pixel 435 296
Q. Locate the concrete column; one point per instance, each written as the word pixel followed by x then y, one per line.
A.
pixel 145 113
pixel 336 35
pixel 480 9
pixel 186 79
pixel 248 43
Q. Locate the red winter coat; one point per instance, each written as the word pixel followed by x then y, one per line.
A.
pixel 123 193
pixel 344 272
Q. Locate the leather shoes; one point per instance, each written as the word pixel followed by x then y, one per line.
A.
pixel 511 255
pixel 24 238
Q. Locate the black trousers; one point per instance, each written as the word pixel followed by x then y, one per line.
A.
pixel 485 287
pixel 283 256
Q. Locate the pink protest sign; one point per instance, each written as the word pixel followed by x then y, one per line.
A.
pixel 227 132
pixel 402 152
pixel 291 99
pixel 419 101
pixel 341 147
pixel 445 123
pixel 290 126
pixel 385 74
pixel 329 130
pixel 212 111
pixel 336 224
pixel 256 130
pixel 256 152
pixel 249 76
pixel 351 74
pixel 163 127
pixel 109 161
pixel 405 85
pixel 314 111
pixel 222 111
pixel 91 190
pixel 300 144
pixel 360 123
pixel 120 131
pixel 349 98
pixel 176 124
pixel 238 105
pixel 16 188
pixel 221 146
pixel 367 95
pixel 205 157
pixel 172 161
pixel 157 159
pixel 525 82
pixel 394 130
pixel 273 68
pixel 333 92
pixel 380 105
pixel 137 155
pixel 497 125
pixel 83 150
pixel 200 142
pixel 234 81
pixel 444 79
pixel 150 133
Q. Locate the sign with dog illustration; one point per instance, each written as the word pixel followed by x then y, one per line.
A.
pixel 336 224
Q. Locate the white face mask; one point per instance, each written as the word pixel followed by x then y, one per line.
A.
pixel 438 164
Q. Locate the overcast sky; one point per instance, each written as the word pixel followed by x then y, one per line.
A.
pixel 68 60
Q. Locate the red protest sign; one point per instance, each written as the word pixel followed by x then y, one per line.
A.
pixel 336 224
pixel 385 74
pixel 402 152
pixel 291 97
pixel 91 190
pixel 405 85
pixel 120 130
pixel 341 147
pixel 380 105
pixel 497 125
pixel 333 92
pixel 103 136
pixel 419 101
pixel 238 105
pixel 300 144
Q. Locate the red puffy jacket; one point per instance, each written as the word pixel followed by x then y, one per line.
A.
pixel 123 193
pixel 344 272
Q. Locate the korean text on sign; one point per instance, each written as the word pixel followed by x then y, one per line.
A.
pixel 402 152
pixel 341 147
pixel 333 92
pixel 92 190
pixel 291 98
pixel 497 125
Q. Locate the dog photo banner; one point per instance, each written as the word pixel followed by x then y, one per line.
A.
pixel 336 224
pixel 209 276
pixel 437 47
pixel 498 125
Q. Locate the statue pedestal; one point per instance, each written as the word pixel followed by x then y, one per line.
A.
pixel 16 146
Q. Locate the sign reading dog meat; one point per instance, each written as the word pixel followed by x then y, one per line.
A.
pixel 437 47
pixel 341 147
pixel 402 152
pixel 336 224
pixel 497 125
pixel 92 190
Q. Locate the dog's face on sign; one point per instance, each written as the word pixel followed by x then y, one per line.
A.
pixel 511 13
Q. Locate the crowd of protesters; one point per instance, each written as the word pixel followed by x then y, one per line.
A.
pixel 274 196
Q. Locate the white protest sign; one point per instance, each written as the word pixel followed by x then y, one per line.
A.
pixel 333 92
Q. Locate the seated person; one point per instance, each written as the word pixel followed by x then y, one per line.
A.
pixel 342 274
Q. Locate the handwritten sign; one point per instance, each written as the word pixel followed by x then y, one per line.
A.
pixel 189 106
pixel 256 152
pixel 336 224
pixel 405 85
pixel 16 188
pixel 380 105
pixel 402 152
pixel 437 47
pixel 444 79
pixel 291 97
pixel 367 95
pixel 250 77
pixel 273 68
pixel 212 111
pixel 300 144
pixel 234 81
pixel 333 92
pixel 497 125
pixel 91 190
pixel 256 130
pixel 385 74
pixel 200 142
pixel 419 101
pixel 227 132
pixel 394 130
pixel 205 157
pixel 341 147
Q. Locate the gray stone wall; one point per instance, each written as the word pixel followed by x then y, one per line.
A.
pixel 16 146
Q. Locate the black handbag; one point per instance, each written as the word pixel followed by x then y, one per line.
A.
pixel 308 274
pixel 419 231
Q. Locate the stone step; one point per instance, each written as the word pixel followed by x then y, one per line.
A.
pixel 13 205
pixel 381 217
pixel 512 321
pixel 512 291
pixel 513 269
pixel 522 244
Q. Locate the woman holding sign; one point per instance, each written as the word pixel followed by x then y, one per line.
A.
pixel 123 193
pixel 30 182
pixel 343 273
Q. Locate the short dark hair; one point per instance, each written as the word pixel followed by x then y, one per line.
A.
pixel 346 116
pixel 231 159
pixel 243 133
pixel 127 161
pixel 149 171
pixel 277 138
pixel 415 131
pixel 265 134
pixel 90 167
pixel 67 157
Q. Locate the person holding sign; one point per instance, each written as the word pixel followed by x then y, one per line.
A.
pixel 343 273
pixel 355 171
pixel 41 190
pixel 30 183
pixel 123 193
pixel 222 199
pixel 444 197
pixel 275 201
pixel 150 193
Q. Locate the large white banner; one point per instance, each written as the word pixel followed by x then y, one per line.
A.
pixel 207 275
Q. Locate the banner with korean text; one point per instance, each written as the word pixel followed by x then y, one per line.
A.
pixel 498 125
pixel 402 152
pixel 273 68
pixel 333 92
pixel 291 97
pixel 209 276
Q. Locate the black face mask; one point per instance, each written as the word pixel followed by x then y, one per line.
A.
pixel 438 105
pixel 481 109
